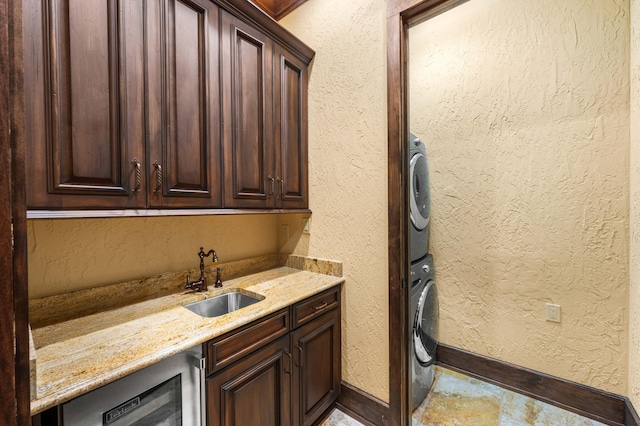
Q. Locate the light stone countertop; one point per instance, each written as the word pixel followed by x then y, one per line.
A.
pixel 82 354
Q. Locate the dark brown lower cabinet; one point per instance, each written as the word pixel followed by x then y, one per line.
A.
pixel 316 375
pixel 290 381
pixel 254 391
pixel 281 370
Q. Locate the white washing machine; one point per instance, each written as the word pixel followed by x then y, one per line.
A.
pixel 419 199
pixel 424 328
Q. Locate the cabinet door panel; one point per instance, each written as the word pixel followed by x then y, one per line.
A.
pixel 183 86
pixel 91 127
pixel 316 377
pixel 291 130
pixel 254 391
pixel 247 65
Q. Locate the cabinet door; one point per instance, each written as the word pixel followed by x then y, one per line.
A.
pixel 183 104
pixel 84 88
pixel 247 103
pixel 316 375
pixel 254 391
pixel 291 130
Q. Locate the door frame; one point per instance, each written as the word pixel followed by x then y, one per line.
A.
pixel 14 329
pixel 400 15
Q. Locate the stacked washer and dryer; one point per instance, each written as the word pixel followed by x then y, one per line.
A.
pixel 424 297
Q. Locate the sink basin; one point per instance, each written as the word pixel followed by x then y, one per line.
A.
pixel 223 304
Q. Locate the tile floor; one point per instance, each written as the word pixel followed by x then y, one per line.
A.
pixel 459 400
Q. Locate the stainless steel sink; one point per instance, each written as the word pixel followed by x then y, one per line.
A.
pixel 223 304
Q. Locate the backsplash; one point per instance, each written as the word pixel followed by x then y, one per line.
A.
pixel 312 264
pixel 45 311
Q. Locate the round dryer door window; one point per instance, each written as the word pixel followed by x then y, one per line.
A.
pixel 419 203
pixel 425 325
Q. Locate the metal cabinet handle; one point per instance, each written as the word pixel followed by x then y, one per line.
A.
pixel 273 186
pixel 138 167
pixel 321 306
pixel 299 364
pixel 158 187
pixel 281 195
pixel 286 352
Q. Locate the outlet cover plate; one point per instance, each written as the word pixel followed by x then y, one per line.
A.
pixel 553 312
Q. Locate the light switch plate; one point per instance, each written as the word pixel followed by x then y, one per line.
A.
pixel 306 225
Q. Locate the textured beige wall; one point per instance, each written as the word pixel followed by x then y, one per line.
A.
pixel 548 120
pixel 71 254
pixel 348 171
pixel 348 195
pixel 524 108
pixel 634 272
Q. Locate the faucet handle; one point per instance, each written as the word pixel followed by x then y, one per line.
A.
pixel 218 283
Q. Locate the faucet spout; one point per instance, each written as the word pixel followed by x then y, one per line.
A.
pixel 201 284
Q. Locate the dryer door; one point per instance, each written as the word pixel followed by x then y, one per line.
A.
pixel 425 325
pixel 419 200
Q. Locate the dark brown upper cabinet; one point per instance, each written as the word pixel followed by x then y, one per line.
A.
pixel 247 105
pixel 265 126
pixel 183 104
pixel 154 104
pixel 291 130
pixel 130 113
pixel 84 103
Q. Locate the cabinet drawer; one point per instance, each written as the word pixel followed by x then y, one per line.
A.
pixel 230 347
pixel 315 306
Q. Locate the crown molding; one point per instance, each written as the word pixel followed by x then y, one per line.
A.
pixel 277 9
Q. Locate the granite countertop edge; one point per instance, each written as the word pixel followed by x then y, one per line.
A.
pixel 77 356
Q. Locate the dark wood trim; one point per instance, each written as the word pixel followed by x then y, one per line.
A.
pixel 287 6
pixel 399 14
pixel 278 9
pixel 361 406
pixel 420 12
pixel 398 238
pixel 14 332
pixel 19 215
pixel 270 7
pixel 84 214
pixel 586 401
pixel 8 364
pixel 631 417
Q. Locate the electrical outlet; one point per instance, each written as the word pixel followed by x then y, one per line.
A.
pixel 553 312
pixel 306 225
pixel 285 232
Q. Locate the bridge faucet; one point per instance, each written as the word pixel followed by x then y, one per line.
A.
pixel 201 284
